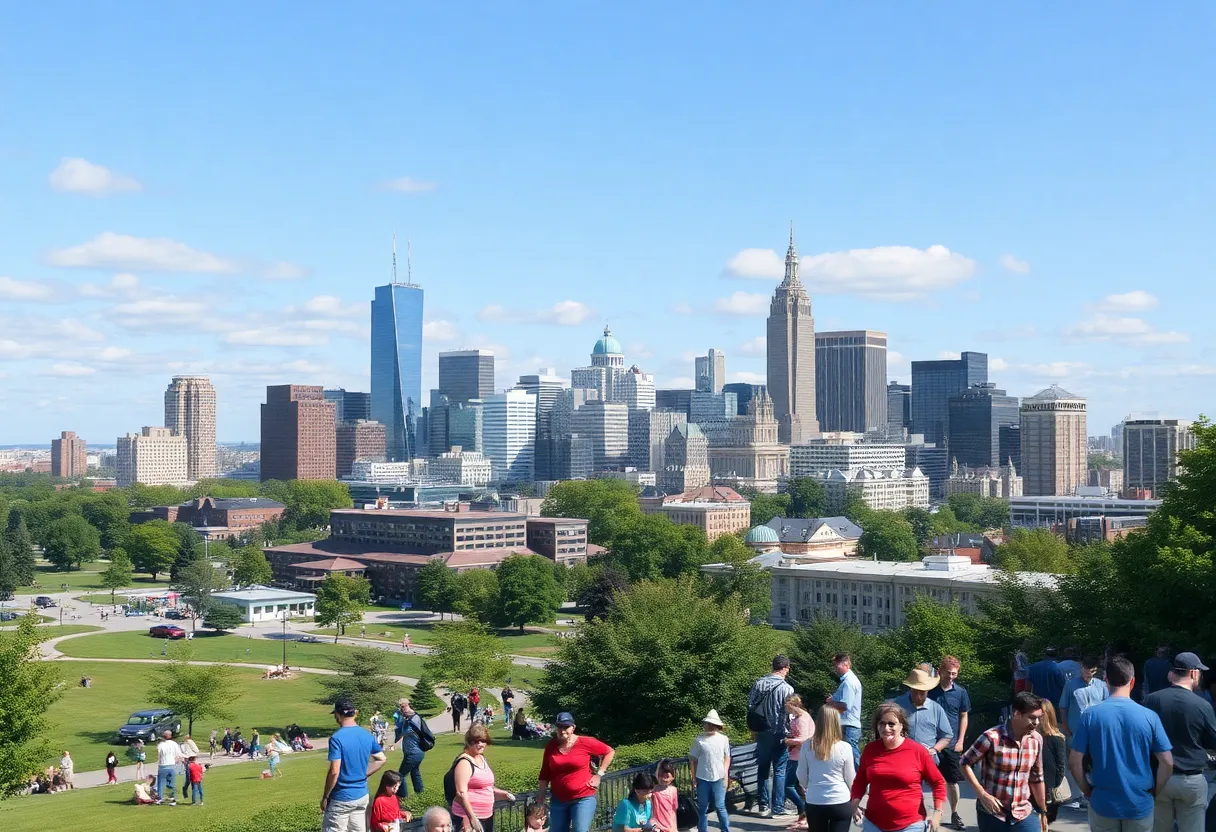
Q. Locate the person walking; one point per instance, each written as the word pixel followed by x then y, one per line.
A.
pixel 709 762
pixel 1044 678
pixel 474 704
pixel 111 768
pixel 473 808
pixel 168 754
pixel 413 732
pixel 955 701
pixel 354 756
pixel 1010 787
pixel 1080 694
pixel 67 769
pixel 927 721
pixel 1055 761
pixel 508 698
pixel 566 770
pixel 457 705
pixel 1191 727
pixel 826 773
pixel 893 769
pixel 1157 671
pixel 141 755
pixel 212 743
pixel 766 719
pixel 847 700
pixel 1121 737
pixel 801 728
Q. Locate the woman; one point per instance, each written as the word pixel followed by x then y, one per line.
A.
pixel 566 764
pixel 255 744
pixel 892 769
pixel 1055 758
pixel 801 729
pixel 111 768
pixel 633 812
pixel 519 727
pixel 826 773
pixel 709 759
pixel 140 755
pixel 474 780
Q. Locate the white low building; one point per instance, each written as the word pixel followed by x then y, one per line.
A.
pixel 889 489
pixel 263 603
pixel 1030 512
pixel 461 467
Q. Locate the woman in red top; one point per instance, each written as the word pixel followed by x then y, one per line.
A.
pixel 893 768
pixel 566 768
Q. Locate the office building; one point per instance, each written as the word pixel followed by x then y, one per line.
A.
pixel 707 407
pixel 69 456
pixel 190 412
pixel 1054 511
pixel 685 459
pixel 466 374
pixel 547 386
pixel 710 371
pixel 887 489
pixel 606 424
pixel 933 385
pixel 396 365
pixel 1011 443
pixel 716 510
pixel 985 481
pixel 976 417
pixel 791 356
pixel 154 456
pixel 1054 443
pixel 462 467
pixel 509 435
pixel 606 371
pixel 355 440
pixel 680 400
pixel 299 435
pixel 933 462
pixel 851 381
pixel 1150 451
pixel 648 432
pixel 215 518
pixel 744 393
pixel 637 390
pixel 747 452
pixel 349 406
pixel 1109 480
pixel 817 457
pixel 899 411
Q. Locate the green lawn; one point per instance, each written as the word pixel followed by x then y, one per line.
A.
pixel 527 644
pixel 88 579
pixel 234 793
pixel 56 630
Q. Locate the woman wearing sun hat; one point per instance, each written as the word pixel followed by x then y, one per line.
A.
pixel 566 769
pixel 709 758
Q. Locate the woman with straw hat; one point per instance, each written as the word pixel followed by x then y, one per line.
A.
pixel 709 758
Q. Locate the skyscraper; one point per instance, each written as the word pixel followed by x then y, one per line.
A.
pixel 606 372
pixel 1054 443
pixel 977 416
pixel 357 439
pixel 791 355
pixel 606 424
pixel 155 456
pixel 396 364
pixel 934 382
pixel 349 406
pixel 899 410
pixel 68 456
pixel 648 432
pixel 851 380
pixel 190 412
pixel 466 374
pixel 1150 451
pixel 509 435
pixel 685 460
pixel 299 436
pixel 710 371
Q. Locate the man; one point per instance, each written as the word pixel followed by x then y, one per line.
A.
pixel 410 729
pixel 847 700
pixel 1080 694
pixel 458 706
pixel 927 720
pixel 956 703
pixel 189 748
pixel 1157 671
pixel 1121 737
pixel 1069 665
pixel 168 754
pixel 767 721
pixel 1010 786
pixel 508 696
pixel 1044 678
pixel 1191 727
pixel 437 819
pixel 354 756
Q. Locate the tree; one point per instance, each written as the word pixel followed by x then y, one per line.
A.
pixel 464 655
pixel 815 644
pixel 189 548
pixel 475 594
pixel 578 578
pixel 981 512
pixel 71 541
pixel 767 506
pixel 932 630
pixel 152 546
pixel 21 547
pixel 30 687
pixel 251 567
pixel 599 598
pixel 666 650
pixel 887 536
pixel 340 601
pixel 528 592
pixel 146 496
pixel 361 675
pixel 604 504
pixel 194 691
pixel 1034 550
pixel 436 587
pixel 808 498
pixel 119 573
pixel 223 617
pixel 110 514
pixel 308 502
pixel 196 582
pixel 742 580
pixel 8 573
pixel 423 698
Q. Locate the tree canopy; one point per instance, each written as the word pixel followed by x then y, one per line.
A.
pixel 528 592
pixel 119 573
pixel 886 535
pixel 340 601
pixel 194 691
pixel 436 587
pixel 361 674
pixel 70 541
pixel 464 655
pixel 30 687
pixel 152 546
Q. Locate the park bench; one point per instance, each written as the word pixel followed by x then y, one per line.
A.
pixel 743 778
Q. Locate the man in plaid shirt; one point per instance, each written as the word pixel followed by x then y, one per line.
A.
pixel 1010 786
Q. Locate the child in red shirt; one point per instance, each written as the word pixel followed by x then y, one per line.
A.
pixel 194 775
pixel 384 814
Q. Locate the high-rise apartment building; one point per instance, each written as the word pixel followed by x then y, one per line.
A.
pixel 509 435
pixel 976 418
pixel 934 383
pixel 710 371
pixel 355 440
pixel 851 380
pixel 190 412
pixel 606 424
pixel 155 456
pixel 791 355
pixel 637 390
pixel 1150 451
pixel 350 406
pixel 899 410
pixel 396 365
pixel 815 458
pixel 69 458
pixel 299 435
pixel 1054 443
pixel 466 374
pixel 685 460
pixel 648 432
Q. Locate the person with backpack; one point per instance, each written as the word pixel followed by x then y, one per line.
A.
pixel 459 703
pixel 469 786
pixel 416 739
pixel 766 719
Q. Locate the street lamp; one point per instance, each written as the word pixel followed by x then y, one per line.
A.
pixel 284 641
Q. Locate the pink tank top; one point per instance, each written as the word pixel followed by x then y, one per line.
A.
pixel 480 792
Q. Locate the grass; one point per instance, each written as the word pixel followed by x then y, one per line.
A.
pixel 525 644
pixel 57 630
pixel 81 580
pixel 233 793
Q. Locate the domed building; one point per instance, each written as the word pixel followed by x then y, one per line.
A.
pixel 763 539
pixel 607 351
pixel 609 376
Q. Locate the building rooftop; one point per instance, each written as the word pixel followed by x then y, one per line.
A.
pixel 932 567
pixel 236 502
pixel 331 565
pixel 255 594
pixel 708 494
pixel 798 530
pixel 1054 393
pixel 1083 500
pixel 463 514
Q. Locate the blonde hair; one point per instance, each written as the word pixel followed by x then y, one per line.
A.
pixel 827 732
pixel 795 700
pixel 1048 726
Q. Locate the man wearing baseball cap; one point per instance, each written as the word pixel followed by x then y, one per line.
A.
pixel 354 756
pixel 1191 726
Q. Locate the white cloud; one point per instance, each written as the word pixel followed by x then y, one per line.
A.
pixel 329 306
pixel 25 290
pixel 110 354
pixel 949 355
pixel 73 330
pixel 1123 330
pixel 1136 301
pixel 120 284
pixel 997 364
pixel 272 370
pixel 562 313
pixel 1014 264
pixel 637 350
pixel 69 369
pixel 756 346
pixel 1053 369
pixel 273 336
pixel 81 176
pixel 157 313
pixel 139 254
pixel 408 185
pixel 284 271
pixel 743 303
pixel 443 332
pixel 744 377
pixel 898 365
pixel 756 263
pixel 682 308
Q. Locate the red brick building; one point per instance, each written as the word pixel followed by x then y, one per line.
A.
pixel 298 434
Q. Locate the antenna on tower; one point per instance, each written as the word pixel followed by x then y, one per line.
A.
pixel 394 257
pixel 409 261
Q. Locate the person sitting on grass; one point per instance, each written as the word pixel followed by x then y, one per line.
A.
pixel 145 791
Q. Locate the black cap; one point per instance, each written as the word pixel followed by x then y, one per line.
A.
pixel 344 707
pixel 1187 662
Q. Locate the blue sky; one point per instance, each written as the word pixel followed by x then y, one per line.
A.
pixel 214 187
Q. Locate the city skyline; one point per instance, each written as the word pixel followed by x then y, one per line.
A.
pixel 150 243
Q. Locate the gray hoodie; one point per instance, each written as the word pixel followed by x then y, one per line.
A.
pixel 768 698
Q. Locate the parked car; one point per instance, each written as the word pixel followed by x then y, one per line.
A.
pixel 8 615
pixel 132 611
pixel 166 631
pixel 149 725
pixel 308 640
pixel 44 601
pixel 175 615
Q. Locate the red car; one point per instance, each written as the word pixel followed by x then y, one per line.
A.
pixel 166 631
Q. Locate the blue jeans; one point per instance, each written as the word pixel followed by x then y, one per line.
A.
pixel 771 755
pixel 506 715
pixel 852 735
pixel 165 781
pixel 715 792
pixel 791 785
pixel 411 771
pixel 575 816
pixel 196 792
pixel 991 823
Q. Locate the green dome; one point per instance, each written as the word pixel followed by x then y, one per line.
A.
pixel 762 534
pixel 607 345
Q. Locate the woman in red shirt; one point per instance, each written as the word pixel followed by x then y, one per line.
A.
pixel 566 768
pixel 893 768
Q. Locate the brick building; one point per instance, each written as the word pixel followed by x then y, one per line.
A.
pixel 298 434
pixel 358 439
pixel 225 517
pixel 68 456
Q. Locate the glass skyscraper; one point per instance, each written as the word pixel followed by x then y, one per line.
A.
pixel 934 383
pixel 397 366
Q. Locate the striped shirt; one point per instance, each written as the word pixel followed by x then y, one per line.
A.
pixel 1008 767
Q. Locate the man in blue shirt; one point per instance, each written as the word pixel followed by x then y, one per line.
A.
pixel 1121 737
pixel 1069 665
pixel 1044 678
pixel 927 720
pixel 1157 671
pixel 354 756
pixel 847 700
pixel 1070 706
pixel 957 704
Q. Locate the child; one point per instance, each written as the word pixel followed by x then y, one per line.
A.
pixel 534 820
pixel 666 798
pixel 140 755
pixel 272 759
pixel 194 774
pixel 385 814
pixel 145 791
pixel 633 813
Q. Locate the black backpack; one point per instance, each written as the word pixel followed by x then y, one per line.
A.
pixel 686 813
pixel 449 779
pixel 426 739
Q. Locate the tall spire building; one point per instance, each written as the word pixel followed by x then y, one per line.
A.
pixel 396 363
pixel 791 356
